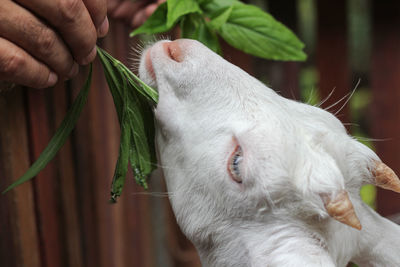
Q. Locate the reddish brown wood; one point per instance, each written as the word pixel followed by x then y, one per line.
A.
pixel 71 233
pixel 385 80
pixel 22 247
pixel 284 76
pixel 45 182
pixel 332 55
pixel 99 107
pixel 85 180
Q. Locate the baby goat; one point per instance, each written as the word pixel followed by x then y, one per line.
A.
pixel 259 180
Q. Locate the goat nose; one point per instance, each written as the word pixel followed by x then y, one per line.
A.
pixel 173 51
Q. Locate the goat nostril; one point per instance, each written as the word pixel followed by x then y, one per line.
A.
pixel 173 51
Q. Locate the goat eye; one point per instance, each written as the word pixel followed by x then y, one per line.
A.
pixel 234 164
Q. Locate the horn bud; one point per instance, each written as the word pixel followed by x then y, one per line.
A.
pixel 341 209
pixel 385 177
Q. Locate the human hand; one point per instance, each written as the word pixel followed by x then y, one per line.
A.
pixel 43 41
pixel 133 13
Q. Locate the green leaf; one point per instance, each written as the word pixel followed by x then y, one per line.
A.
pixel 121 167
pixel 211 6
pixel 149 93
pixel 193 26
pixel 113 78
pixel 156 23
pixel 116 73
pixel 203 2
pixel 179 8
pixel 60 137
pixel 141 151
pixel 257 33
pixel 220 17
pixel 137 121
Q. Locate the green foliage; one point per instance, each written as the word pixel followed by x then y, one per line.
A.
pixel 155 23
pixel 133 101
pixel 179 8
pixel 193 26
pixel 59 137
pixel 243 26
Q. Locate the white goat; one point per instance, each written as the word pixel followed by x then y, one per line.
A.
pixel 259 180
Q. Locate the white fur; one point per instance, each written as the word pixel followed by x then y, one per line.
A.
pixel 292 153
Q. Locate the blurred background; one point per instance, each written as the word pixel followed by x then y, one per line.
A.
pixel 63 218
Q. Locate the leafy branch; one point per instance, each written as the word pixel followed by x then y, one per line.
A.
pixel 245 27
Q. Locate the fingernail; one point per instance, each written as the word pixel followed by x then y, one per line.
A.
pixel 103 29
pixel 52 80
pixel 89 58
pixel 74 70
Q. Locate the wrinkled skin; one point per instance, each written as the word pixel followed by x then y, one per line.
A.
pixel 270 211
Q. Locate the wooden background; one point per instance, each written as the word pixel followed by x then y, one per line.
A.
pixel 63 218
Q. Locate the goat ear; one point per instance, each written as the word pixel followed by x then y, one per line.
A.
pixel 340 208
pixel 385 177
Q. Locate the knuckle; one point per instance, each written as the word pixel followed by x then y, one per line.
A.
pixel 46 42
pixel 12 64
pixel 69 10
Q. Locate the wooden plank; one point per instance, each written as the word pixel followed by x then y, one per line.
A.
pixel 45 182
pixel 8 249
pixel 83 160
pixel 385 81
pixel 71 233
pixel 102 171
pixel 283 76
pixel 332 55
pixel 18 204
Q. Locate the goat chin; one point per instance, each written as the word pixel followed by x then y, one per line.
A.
pixel 257 179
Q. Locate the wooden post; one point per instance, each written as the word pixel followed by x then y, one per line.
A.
pixel 19 238
pixel 285 75
pixel 385 80
pixel 45 183
pixel 71 231
pixel 332 55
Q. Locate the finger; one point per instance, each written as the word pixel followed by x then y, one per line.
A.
pixel 143 15
pixel 73 21
pixel 22 28
pixel 149 10
pixel 139 18
pixel 98 12
pixel 126 10
pixel 112 5
pixel 18 66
